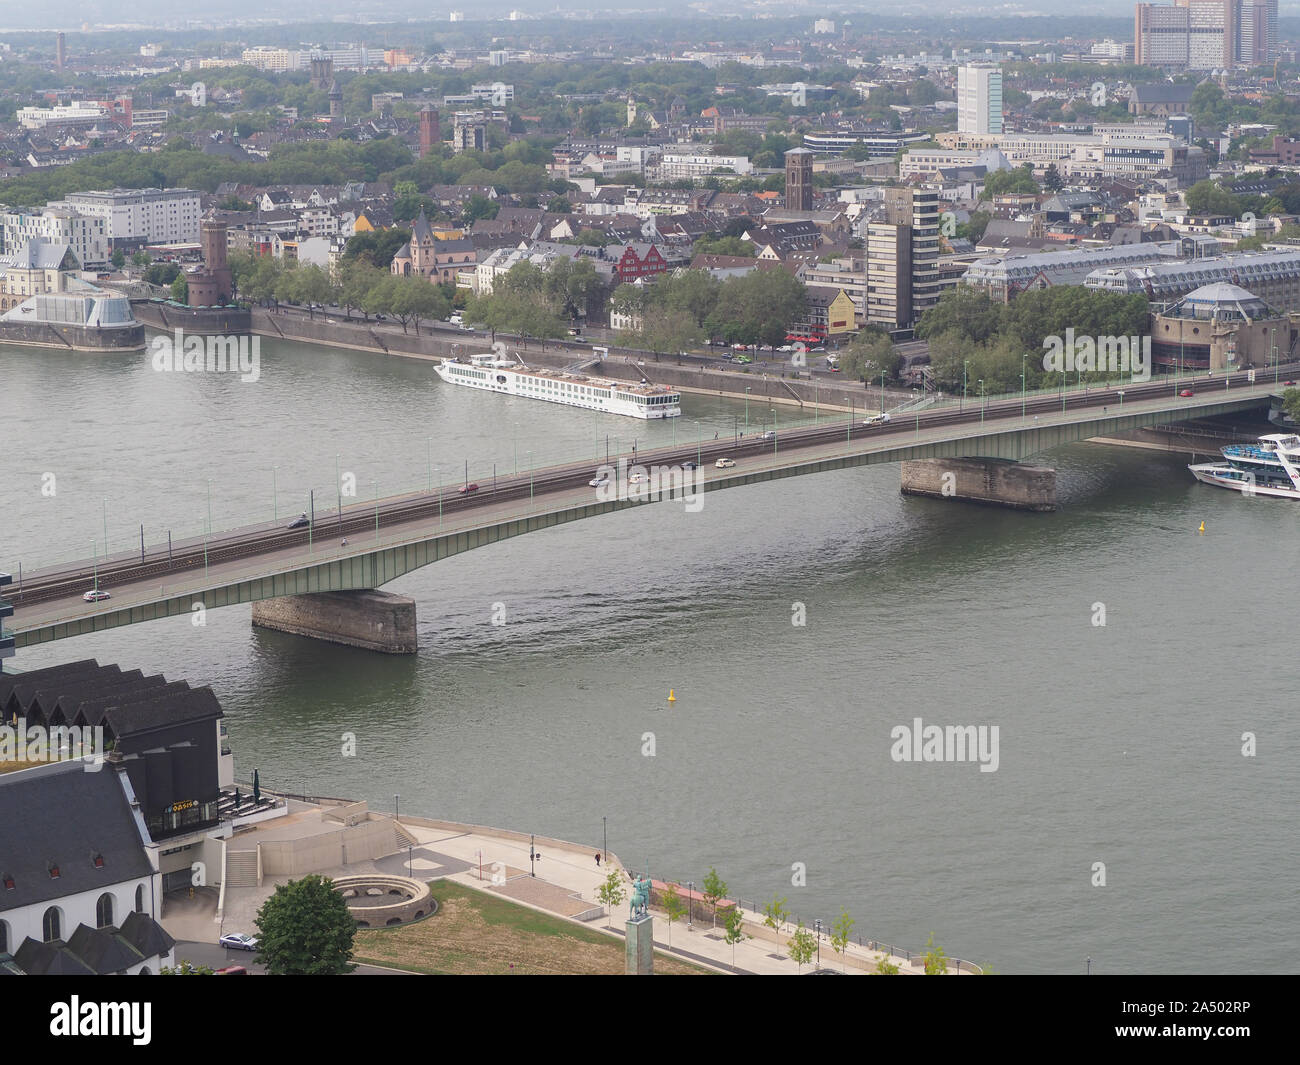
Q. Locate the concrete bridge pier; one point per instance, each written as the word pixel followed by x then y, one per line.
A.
pixel 373 620
pixel 996 482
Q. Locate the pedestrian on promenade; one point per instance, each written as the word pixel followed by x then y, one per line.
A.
pixel 598 859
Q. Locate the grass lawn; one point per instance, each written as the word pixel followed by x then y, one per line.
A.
pixel 477 932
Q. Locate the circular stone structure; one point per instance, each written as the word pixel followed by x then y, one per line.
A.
pixel 377 900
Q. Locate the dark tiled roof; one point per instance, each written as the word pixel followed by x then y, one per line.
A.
pixel 63 815
pixel 103 949
pixel 50 959
pixel 146 934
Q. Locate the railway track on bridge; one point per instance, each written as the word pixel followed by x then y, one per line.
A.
pixel 251 541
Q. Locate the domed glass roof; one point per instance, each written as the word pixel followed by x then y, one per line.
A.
pixel 1222 300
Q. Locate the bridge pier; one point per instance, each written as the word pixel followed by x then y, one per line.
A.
pixel 995 482
pixel 373 620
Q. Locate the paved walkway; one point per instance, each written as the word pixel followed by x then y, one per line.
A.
pixel 566 883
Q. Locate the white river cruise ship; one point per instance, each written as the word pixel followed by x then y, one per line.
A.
pixel 573 388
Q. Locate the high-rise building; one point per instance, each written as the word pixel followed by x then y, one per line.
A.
pixel 1257 32
pixel 903 259
pixel 469 135
pixel 798 180
pixel 430 133
pixel 1191 34
pixel 979 98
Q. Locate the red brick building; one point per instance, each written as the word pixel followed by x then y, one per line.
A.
pixel 638 261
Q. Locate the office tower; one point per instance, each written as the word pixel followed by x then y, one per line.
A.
pixel 979 98
pixel 903 259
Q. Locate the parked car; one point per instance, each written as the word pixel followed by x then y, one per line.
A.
pixel 466 488
pixel 231 970
pixel 96 595
pixel 299 522
pixel 237 941
pixel 725 464
pixel 743 359
pixel 1186 392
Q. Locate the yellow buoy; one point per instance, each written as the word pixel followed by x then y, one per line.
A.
pixel 1202 528
pixel 671 697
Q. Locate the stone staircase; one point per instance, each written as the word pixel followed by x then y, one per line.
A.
pixel 404 838
pixel 241 869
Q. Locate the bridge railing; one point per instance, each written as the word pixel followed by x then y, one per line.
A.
pixel 329 548
pixel 444 478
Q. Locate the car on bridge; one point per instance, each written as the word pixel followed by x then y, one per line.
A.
pixel 1288 383
pixel 95 596
pixel 1186 393
pixel 299 522
pixel 877 419
pixel 597 481
pixel 724 463
pixel 769 435
pixel 466 488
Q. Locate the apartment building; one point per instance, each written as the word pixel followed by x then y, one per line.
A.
pixel 140 216
pixel 86 235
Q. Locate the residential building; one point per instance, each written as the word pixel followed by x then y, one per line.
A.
pixel 903 279
pixel 86 235
pixel 828 312
pixel 674 166
pixel 264 57
pixel 36 268
pixel 979 98
pixel 1190 34
pixel 140 216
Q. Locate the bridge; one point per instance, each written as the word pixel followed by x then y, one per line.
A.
pixel 308 568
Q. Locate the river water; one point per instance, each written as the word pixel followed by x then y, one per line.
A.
pixel 1118 743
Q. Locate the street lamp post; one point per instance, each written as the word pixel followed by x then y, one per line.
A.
pixel 984 400
pixel 375 486
pixel 338 489
pixel 962 405
pixel 275 509
pixel 94 561
pixel 747 408
pixel 428 462
pixel 1024 369
pixel 209 514
pixel 530 478
pixel 690 904
pixel 104 511
pixel 818 925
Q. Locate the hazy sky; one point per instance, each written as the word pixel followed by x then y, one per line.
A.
pixel 71 14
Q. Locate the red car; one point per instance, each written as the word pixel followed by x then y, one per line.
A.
pixel 467 488
pixel 1288 383
pixel 1186 392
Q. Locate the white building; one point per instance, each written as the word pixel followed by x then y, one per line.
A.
pixel 979 98
pixel 141 216
pixel 77 111
pixel 264 57
pixel 824 25
pixel 86 235
pixel 80 888
pixel 673 166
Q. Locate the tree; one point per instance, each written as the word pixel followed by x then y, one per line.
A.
pixel 716 245
pixel 180 289
pixel 758 308
pixel 775 913
pixel 1018 181
pixel 884 967
pixel 674 909
pixel 611 892
pixel 1052 179
pixel 559 205
pixel 870 354
pixel 415 298
pixel 479 206
pixel 936 962
pixel 735 930
pixel 141 258
pixel 377 246
pixel 840 933
pixel 306 929
pixel 119 258
pixel 358 279
pixel 802 946
pixel 186 968
pixel 713 889
pixel 1291 402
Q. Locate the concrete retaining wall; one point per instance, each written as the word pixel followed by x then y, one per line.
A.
pixel 232 320
pixel 75 337
pixel 373 620
pixel 763 388
pixel 327 850
pixel 974 480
